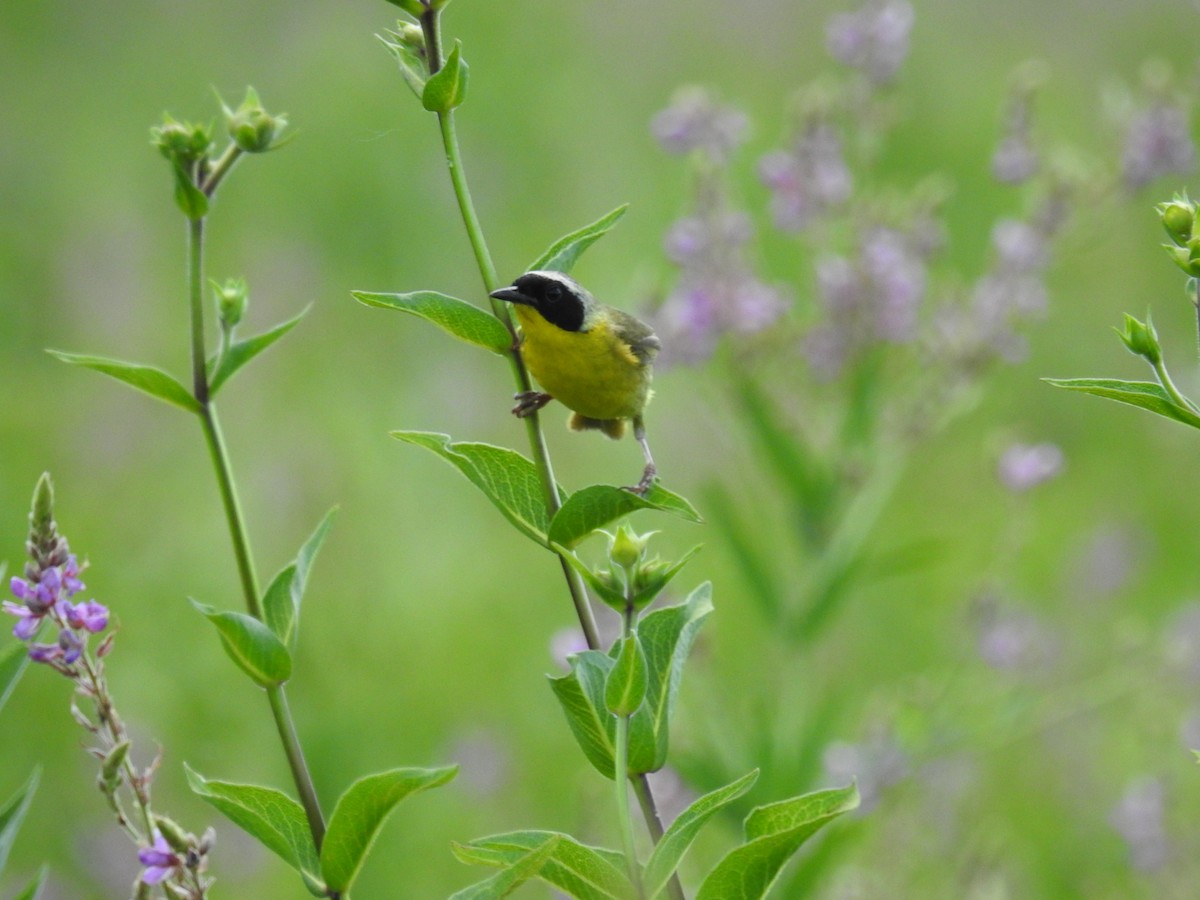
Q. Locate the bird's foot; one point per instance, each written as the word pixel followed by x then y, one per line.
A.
pixel 649 476
pixel 529 402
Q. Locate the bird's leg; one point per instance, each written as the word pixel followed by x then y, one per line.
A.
pixel 529 402
pixel 651 471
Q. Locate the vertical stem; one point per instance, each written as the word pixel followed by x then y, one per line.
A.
pixel 233 515
pixel 621 776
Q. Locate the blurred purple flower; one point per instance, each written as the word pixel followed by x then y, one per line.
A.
pixel 1158 141
pixel 874 39
pixel 1140 818
pixel 875 764
pixel 1009 638
pixel 90 616
pixel 1181 640
pixel 807 179
pixel 1025 466
pixel 160 860
pixel 695 121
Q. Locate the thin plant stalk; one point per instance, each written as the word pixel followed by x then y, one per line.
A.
pixel 430 25
pixel 233 512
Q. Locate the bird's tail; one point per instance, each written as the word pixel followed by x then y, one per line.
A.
pixel 614 428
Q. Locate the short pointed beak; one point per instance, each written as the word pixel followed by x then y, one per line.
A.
pixel 512 295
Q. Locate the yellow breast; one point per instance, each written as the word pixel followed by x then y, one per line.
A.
pixel 592 372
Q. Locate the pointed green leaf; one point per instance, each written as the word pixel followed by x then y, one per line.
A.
pixel 447 88
pixel 281 602
pixel 506 477
pixel 361 812
pixel 154 382
pixel 243 351
pixel 581 695
pixel 13 812
pixel 593 507
pixel 579 870
pixel 625 687
pixel 461 319
pixel 190 199
pixel 31 890
pixel 662 578
pixel 272 817
pixel 250 644
pixel 1146 395
pixel 666 636
pixel 562 255
pixel 13 660
pixel 607 592
pixel 773 834
pixel 670 849
pixel 512 876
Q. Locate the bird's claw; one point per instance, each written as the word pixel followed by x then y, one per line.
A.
pixel 649 476
pixel 529 402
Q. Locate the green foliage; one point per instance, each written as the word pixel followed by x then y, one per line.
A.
pixel 562 255
pixel 1142 394
pixel 670 850
pixel 506 478
pixel 34 887
pixel 251 644
pixel 192 201
pixel 458 318
pixel 360 814
pixel 625 687
pixel 154 382
pixel 581 694
pixel 592 508
pixel 589 873
pixel 222 366
pixel 281 602
pixel 270 816
pixel 13 812
pixel 13 660
pixel 511 876
pixel 773 834
pixel 447 88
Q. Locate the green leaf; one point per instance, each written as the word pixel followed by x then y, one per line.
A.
pixel 154 382
pixel 13 660
pixel 506 477
pixel 447 88
pixel 13 812
pixel 461 319
pixel 31 890
pixel 581 695
pixel 281 602
pixel 593 507
pixel 272 817
pixel 670 849
pixel 250 644
pixel 511 877
pixel 562 255
pixel 773 834
pixel 361 812
pixel 189 198
pixel 579 870
pixel 1147 395
pixel 666 636
pixel 241 352
pixel 625 687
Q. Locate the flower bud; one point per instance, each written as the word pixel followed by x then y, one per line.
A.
pixel 110 769
pixel 1178 218
pixel 173 834
pixel 250 126
pixel 181 142
pixel 232 299
pixel 1141 339
pixel 1183 257
pixel 627 548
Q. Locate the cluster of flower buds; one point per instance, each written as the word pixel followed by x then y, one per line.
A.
pixel 1179 219
pixel 251 127
pixel 635 578
pixel 51 580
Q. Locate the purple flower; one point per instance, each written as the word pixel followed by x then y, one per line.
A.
pixel 1140 818
pixel 159 859
pixel 91 616
pixel 874 39
pixel 27 620
pixel 875 764
pixel 695 121
pixel 1158 141
pixel 1025 466
pixel 809 178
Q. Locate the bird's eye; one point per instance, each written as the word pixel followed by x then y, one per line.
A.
pixel 553 293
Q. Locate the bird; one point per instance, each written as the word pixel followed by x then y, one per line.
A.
pixel 594 359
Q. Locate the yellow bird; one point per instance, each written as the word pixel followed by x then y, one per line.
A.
pixel 592 358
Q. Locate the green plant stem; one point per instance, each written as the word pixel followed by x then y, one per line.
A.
pixel 237 527
pixel 1164 378
pixel 621 780
pixel 537 440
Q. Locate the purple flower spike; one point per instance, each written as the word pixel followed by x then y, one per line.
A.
pixel 21 589
pixel 159 860
pixel 71 644
pixel 44 652
pixel 91 616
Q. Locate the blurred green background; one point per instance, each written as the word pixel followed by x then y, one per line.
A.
pixel 428 622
